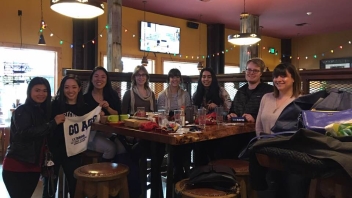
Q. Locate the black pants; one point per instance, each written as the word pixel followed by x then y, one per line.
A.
pixel 284 184
pixel 68 164
pixel 20 184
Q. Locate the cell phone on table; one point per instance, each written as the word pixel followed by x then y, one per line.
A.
pixel 238 119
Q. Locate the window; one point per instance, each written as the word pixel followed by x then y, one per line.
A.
pixel 18 67
pixel 230 87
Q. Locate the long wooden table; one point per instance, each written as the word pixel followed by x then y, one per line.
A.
pixel 211 132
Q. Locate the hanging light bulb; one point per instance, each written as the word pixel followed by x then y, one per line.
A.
pixel 144 61
pixel 200 65
pixel 79 9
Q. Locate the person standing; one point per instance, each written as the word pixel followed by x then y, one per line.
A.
pixel 30 126
pixel 69 102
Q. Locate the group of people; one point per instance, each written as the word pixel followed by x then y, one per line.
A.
pixel 38 123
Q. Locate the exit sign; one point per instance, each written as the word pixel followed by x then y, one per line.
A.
pixel 272 50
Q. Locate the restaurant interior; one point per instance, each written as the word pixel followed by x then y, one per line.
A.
pixel 315 36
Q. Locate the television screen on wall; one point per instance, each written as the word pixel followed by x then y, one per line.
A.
pixel 159 38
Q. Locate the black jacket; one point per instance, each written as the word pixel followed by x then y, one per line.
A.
pixel 29 127
pixel 244 103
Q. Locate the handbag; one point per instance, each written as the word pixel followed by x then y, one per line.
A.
pixel 317 120
pixel 216 177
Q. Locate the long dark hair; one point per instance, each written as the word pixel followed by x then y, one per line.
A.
pixel 211 94
pixel 108 91
pixel 60 94
pixel 280 70
pixel 46 105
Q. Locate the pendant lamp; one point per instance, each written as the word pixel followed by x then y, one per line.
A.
pixel 41 40
pixel 79 9
pixel 244 38
pixel 144 59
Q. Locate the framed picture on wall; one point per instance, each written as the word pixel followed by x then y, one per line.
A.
pixel 334 63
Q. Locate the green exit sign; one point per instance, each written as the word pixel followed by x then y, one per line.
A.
pixel 272 50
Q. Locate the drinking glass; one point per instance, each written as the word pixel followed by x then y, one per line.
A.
pixel 177 116
pixel 162 118
pixel 219 111
pixel 202 118
pixel 141 112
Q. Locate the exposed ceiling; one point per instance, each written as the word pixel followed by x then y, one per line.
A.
pixel 278 17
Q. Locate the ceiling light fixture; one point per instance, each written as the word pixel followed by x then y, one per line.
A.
pixel 79 9
pixel 244 38
pixel 42 26
pixel 144 59
pixel 200 63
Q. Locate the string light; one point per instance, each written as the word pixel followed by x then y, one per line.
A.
pixel 51 34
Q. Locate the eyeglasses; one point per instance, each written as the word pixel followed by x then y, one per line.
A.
pixel 254 71
pixel 141 75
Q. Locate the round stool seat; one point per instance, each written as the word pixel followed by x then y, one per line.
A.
pixel 102 180
pixel 187 191
pixel 241 167
pixel 101 171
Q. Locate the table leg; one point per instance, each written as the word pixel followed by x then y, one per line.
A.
pixel 155 173
pixel 170 172
pixel 143 172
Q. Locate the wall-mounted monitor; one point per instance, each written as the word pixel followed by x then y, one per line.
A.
pixel 159 38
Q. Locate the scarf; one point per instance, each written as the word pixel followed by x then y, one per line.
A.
pixel 148 98
pixel 180 98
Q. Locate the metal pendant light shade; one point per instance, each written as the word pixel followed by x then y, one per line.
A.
pixel 41 40
pixel 79 9
pixel 200 65
pixel 243 39
pixel 144 61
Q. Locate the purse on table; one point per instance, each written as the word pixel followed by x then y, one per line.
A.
pixel 317 120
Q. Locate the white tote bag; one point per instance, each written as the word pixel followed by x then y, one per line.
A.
pixel 77 130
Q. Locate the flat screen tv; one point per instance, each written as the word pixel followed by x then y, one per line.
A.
pixel 159 38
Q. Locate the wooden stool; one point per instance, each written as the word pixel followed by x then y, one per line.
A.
pixel 185 191
pixel 241 168
pixel 102 180
pixel 340 183
pixel 90 157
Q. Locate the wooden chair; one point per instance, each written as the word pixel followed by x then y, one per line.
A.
pixel 185 191
pixel 340 182
pixel 102 180
pixel 241 168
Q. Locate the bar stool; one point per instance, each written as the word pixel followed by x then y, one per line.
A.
pixel 102 180
pixel 241 168
pixel 186 191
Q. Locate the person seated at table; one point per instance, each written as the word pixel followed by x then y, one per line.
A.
pixel 287 87
pixel 247 99
pixel 69 102
pixel 31 123
pixel 245 104
pixel 100 92
pixel 173 98
pixel 209 94
pixel 140 95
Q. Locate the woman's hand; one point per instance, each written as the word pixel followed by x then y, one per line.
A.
pixel 104 104
pixel 229 116
pixel 212 105
pixel 59 118
pixel 248 117
pixel 101 113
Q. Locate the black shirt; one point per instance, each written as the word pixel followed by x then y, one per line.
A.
pixel 114 104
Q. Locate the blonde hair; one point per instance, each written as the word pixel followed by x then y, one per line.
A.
pixel 257 61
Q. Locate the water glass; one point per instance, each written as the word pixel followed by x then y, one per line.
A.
pixel 141 112
pixel 219 111
pixel 177 116
pixel 202 118
pixel 162 118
